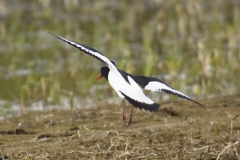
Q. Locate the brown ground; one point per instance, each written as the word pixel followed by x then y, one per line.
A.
pixel 180 130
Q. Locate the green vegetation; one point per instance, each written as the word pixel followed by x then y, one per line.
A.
pixel 194 44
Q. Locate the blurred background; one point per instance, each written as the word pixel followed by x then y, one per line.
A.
pixel 194 46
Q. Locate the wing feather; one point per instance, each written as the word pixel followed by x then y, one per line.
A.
pixel 154 84
pixel 90 51
pixel 141 105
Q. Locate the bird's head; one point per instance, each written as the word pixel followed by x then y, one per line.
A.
pixel 104 73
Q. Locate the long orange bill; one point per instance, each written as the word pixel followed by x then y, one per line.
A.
pixel 98 77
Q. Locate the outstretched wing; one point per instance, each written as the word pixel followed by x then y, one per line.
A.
pixel 90 51
pixel 154 84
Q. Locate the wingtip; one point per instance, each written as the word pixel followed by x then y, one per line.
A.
pixel 198 103
pixel 52 34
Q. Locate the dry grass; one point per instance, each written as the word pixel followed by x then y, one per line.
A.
pixel 210 132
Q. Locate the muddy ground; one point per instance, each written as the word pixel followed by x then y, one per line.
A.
pixel 179 130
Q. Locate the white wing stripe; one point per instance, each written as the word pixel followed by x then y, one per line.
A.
pixel 141 105
pixel 138 97
pixel 157 86
pixel 134 84
pixel 91 52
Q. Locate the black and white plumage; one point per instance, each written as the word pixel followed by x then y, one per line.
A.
pixel 154 84
pixel 127 85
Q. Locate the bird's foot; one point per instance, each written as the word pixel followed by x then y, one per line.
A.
pixel 129 120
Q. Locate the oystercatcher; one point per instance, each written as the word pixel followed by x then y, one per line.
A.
pixel 127 85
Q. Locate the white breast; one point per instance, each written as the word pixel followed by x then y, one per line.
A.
pixel 132 90
pixel 117 82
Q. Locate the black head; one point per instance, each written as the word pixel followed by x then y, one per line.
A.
pixel 104 73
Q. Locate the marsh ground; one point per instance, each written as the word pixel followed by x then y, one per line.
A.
pixel 179 130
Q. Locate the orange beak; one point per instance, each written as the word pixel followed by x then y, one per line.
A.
pixel 98 77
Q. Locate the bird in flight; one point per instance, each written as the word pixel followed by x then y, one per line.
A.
pixel 127 85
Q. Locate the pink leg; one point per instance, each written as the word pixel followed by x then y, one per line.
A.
pixel 123 112
pixel 130 118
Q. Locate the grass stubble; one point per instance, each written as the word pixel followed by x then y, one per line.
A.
pixel 179 130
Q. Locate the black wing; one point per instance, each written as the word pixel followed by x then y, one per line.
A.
pixel 141 105
pixel 154 84
pixel 90 51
